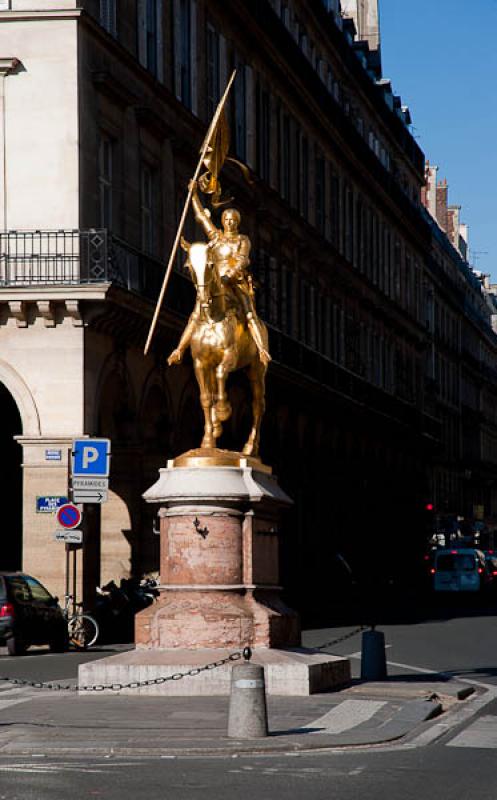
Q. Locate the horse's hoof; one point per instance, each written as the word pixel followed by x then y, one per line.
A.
pixel 208 443
pixel 217 430
pixel 249 450
pixel 223 411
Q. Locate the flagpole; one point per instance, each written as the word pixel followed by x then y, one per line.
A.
pixel 203 154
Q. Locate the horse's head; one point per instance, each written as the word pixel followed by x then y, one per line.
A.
pixel 202 270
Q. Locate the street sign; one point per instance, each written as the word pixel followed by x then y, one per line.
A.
pixel 69 537
pixel 49 505
pixel 90 458
pixel 53 455
pixel 89 496
pixel 90 483
pixel 69 516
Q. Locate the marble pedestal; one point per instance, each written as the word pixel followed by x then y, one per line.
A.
pixel 219 562
pixel 219 590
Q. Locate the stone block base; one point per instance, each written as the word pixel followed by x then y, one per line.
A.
pixel 217 619
pixel 292 672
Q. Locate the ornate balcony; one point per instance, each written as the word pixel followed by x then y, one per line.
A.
pixel 80 257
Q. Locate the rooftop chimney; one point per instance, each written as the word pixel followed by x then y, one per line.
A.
pixel 442 202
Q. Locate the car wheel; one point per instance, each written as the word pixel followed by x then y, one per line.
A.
pixel 15 645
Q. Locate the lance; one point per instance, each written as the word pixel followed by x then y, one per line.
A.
pixel 203 153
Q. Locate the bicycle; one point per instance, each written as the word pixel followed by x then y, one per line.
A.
pixel 82 628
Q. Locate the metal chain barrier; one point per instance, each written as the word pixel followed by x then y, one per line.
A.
pixel 343 638
pixel 176 676
pixel 116 687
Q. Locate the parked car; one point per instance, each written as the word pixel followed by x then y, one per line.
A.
pixel 459 570
pixel 29 615
pixel 491 568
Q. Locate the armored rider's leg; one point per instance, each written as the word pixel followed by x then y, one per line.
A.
pixel 177 354
pixel 255 328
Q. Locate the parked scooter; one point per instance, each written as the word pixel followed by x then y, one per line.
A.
pixel 116 606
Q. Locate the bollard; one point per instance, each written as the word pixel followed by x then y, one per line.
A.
pixel 247 712
pixel 373 659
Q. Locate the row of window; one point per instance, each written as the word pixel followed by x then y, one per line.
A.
pixel 151 56
pixel 107 194
pixel 322 323
pixel 149 26
pixel 336 87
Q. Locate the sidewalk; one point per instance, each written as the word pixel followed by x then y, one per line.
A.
pixel 61 723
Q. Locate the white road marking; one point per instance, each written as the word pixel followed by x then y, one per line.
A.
pixel 482 734
pixel 421 670
pixel 43 769
pixel 346 715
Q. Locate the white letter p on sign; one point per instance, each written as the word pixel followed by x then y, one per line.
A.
pixel 90 454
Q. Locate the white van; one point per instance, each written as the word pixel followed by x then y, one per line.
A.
pixel 461 570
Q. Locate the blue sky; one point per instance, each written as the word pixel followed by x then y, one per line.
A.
pixel 441 57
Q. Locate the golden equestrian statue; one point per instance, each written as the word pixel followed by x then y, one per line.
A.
pixel 223 332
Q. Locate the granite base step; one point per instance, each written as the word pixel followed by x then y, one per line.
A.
pixel 291 672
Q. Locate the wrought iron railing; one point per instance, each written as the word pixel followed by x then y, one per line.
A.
pixel 76 257
pixel 30 258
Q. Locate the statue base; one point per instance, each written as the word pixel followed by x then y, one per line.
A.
pixel 219 557
pixel 219 590
pixel 215 457
pixel 293 672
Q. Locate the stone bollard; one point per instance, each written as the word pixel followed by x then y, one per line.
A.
pixel 373 659
pixel 247 711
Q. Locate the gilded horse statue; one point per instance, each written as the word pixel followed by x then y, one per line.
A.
pixel 221 341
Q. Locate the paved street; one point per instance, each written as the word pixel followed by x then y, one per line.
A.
pixel 451 756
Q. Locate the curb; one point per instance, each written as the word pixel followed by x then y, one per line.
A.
pixel 404 721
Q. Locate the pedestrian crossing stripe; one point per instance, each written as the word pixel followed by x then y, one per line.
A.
pixel 480 734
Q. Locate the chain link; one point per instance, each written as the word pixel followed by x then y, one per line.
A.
pixel 116 687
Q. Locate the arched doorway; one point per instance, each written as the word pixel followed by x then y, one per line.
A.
pixel 10 482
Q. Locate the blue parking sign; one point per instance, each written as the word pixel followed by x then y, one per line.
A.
pixel 90 457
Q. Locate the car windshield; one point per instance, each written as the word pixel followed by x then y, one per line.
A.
pixel 38 592
pixel 456 562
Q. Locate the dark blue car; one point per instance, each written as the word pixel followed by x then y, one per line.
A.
pixel 29 615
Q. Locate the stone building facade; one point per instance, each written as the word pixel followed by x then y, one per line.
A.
pixel 104 108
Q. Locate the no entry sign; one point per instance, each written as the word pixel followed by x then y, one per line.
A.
pixel 69 516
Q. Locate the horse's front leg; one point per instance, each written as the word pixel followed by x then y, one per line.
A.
pixel 227 364
pixel 257 377
pixel 207 401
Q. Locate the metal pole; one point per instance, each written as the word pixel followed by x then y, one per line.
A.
pixel 203 153
pixel 74 554
pixel 67 571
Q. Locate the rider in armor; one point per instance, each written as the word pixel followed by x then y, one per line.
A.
pixel 229 250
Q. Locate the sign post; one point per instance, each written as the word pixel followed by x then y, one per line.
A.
pixel 90 470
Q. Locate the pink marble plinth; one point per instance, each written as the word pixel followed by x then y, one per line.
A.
pixel 219 540
pixel 198 619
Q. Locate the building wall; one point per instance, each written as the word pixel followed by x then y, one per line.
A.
pixel 40 187
pixel 42 368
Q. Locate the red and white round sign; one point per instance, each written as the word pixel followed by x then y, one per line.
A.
pixel 68 516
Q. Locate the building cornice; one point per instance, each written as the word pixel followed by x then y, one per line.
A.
pixel 28 16
pixel 35 293
pixel 9 65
